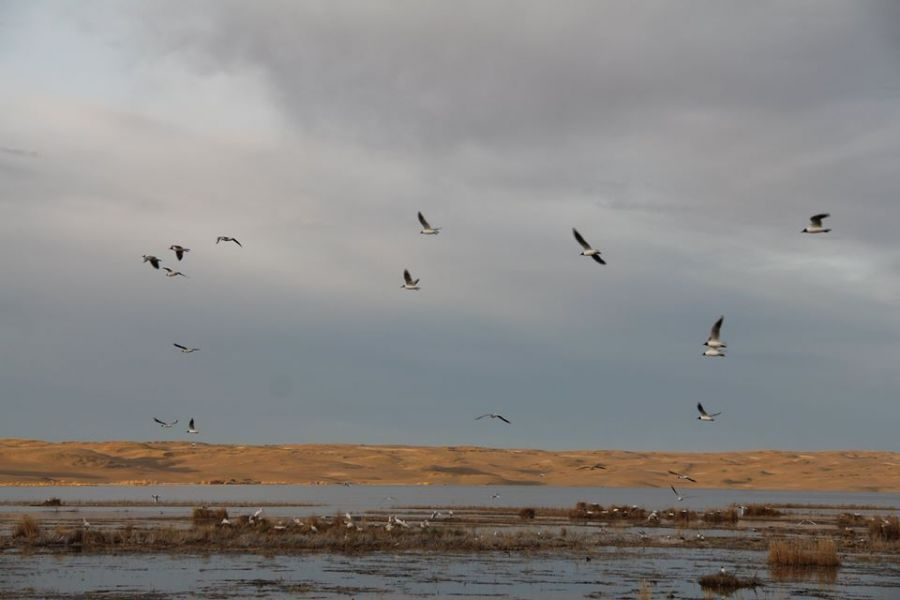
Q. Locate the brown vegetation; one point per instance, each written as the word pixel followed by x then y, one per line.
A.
pixel 884 529
pixel 208 516
pixel 727 582
pixel 27 528
pixel 527 514
pixel 721 516
pixel 760 510
pixel 803 553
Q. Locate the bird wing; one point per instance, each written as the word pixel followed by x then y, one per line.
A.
pixel 220 239
pixel 191 424
pixel 715 414
pixel 580 239
pixel 407 277
pixel 674 490
pixel 483 416
pixel 502 418
pixel 160 422
pixel 689 478
pixel 180 346
pixel 597 258
pixel 716 328
pixel 700 408
pixel 423 221
pixel 817 219
pixel 237 242
pixel 674 473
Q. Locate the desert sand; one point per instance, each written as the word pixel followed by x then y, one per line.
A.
pixel 32 462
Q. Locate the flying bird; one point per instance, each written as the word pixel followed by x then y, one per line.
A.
pixel 714 353
pixel 155 498
pixel 154 262
pixel 593 467
pixel 165 425
pixel 173 272
pixel 713 341
pixel 705 416
pixel 185 349
pixel 179 250
pixel 191 428
pixel 815 224
pixel 411 284
pixel 225 238
pixel 683 476
pixel 427 229
pixel 677 495
pixel 493 416
pixel 588 250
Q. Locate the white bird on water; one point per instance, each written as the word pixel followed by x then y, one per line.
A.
pixel 713 341
pixel 164 424
pixel 179 250
pixel 427 229
pixel 191 428
pixel 185 349
pixel 410 283
pixel 815 224
pixel 588 249
pixel 705 416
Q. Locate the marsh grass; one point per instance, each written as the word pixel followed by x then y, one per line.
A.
pixel 760 511
pixel 803 553
pixel 645 590
pixel 527 514
pixel 202 515
pixel 884 529
pixel 27 527
pixel 728 582
pixel 727 516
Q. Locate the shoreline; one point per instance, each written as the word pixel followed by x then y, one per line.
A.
pixel 36 463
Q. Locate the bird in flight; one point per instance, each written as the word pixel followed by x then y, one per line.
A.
pixel 588 250
pixel 815 224
pixel 225 238
pixel 705 416
pixel 593 467
pixel 683 476
pixel 164 424
pixel 185 349
pixel 179 250
pixel 493 416
pixel 155 498
pixel 154 262
pixel 714 353
pixel 410 283
pixel 173 272
pixel 677 495
pixel 191 428
pixel 427 229
pixel 713 341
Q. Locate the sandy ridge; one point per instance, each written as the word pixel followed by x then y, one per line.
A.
pixel 34 462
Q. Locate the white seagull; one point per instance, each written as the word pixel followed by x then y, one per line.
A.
pixel 165 425
pixel 677 495
pixel 588 250
pixel 815 224
pixel 185 349
pixel 493 416
pixel 154 262
pixel 155 498
pixel 705 416
pixel 427 229
pixel 411 284
pixel 714 353
pixel 683 476
pixel 179 250
pixel 713 341
pixel 173 272
pixel 191 428
pixel 225 238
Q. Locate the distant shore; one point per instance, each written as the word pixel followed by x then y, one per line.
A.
pixel 39 463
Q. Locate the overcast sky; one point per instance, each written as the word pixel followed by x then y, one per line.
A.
pixel 689 141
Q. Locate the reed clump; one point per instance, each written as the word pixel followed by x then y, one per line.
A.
pixel 527 514
pixel 726 583
pixel 803 553
pixel 729 515
pixel 27 527
pixel 584 511
pixel 203 515
pixel 760 510
pixel 884 529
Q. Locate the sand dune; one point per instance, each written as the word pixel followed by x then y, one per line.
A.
pixel 30 462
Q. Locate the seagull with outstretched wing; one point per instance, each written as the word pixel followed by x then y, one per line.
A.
pixel 705 416
pixel 588 249
pixel 427 229
pixel 409 282
pixel 164 424
pixel 815 224
pixel 493 416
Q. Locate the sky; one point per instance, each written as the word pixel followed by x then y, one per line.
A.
pixel 690 142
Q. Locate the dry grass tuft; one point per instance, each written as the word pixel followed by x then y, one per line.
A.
pixel 884 529
pixel 760 510
pixel 729 515
pixel 208 516
pixel 527 514
pixel 727 582
pixel 646 591
pixel 803 552
pixel 27 527
pixel 52 502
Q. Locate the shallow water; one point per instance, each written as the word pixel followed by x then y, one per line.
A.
pixel 612 573
pixel 360 498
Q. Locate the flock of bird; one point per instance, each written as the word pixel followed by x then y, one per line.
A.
pixel 715 347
